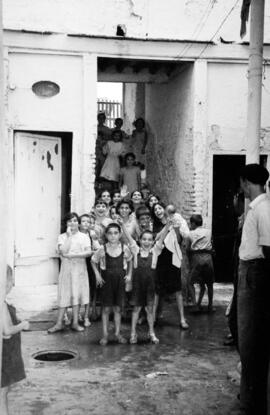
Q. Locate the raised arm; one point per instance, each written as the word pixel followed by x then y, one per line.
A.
pixel 163 233
pixel 131 241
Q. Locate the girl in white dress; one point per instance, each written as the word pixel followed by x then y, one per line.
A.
pixel 73 287
pixel 111 168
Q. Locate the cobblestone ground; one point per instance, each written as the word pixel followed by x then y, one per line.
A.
pixel 187 373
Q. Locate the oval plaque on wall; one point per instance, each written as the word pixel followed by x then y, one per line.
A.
pixel 45 89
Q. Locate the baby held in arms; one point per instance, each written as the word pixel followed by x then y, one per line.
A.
pixel 176 219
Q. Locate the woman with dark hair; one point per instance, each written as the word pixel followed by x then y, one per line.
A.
pixel 125 210
pixel 105 196
pixel 169 261
pixel 73 287
pixel 136 198
pixel 152 199
pixel 116 197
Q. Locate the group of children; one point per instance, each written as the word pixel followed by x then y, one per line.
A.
pixel 120 158
pixel 129 251
pixel 126 250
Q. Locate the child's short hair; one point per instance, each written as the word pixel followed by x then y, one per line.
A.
pixel 115 132
pixel 142 211
pixel 84 215
pixel 115 192
pixel 136 191
pixel 118 120
pixel 111 226
pixel 70 216
pixel 111 209
pixel 196 220
pixel 140 119
pixel 132 155
pixel 171 209
pixel 101 193
pixel 124 202
pixel 100 202
pixel 147 231
pixel 255 173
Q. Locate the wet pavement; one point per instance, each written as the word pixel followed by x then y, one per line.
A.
pixel 187 373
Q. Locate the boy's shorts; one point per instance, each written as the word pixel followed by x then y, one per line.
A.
pixel 201 268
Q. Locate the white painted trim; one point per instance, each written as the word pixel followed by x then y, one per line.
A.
pixel 136 49
pixel 89 130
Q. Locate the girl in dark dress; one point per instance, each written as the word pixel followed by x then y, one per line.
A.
pixel 12 363
pixel 168 274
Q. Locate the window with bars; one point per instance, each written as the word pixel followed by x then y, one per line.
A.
pixel 112 109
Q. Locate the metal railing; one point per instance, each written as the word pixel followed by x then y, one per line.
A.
pixel 112 109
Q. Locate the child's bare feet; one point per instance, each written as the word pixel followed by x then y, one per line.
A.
pixel 133 339
pixel 87 322
pixel 184 325
pixel 103 341
pixel 77 328
pixel 55 329
pixel 120 339
pixel 67 320
pixel 153 338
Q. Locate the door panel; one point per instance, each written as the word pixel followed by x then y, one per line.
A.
pixel 37 202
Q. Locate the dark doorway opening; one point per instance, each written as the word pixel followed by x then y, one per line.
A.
pixel 226 183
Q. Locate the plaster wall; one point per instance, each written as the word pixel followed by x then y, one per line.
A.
pixel 134 104
pixel 182 20
pixel 69 111
pixel 227 106
pixel 169 115
pixel 129 105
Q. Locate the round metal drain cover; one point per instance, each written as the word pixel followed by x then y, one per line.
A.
pixel 54 355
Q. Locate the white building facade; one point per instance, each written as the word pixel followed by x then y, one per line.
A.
pixel 183 74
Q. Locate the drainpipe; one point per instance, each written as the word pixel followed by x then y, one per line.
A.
pixel 255 81
pixel 3 192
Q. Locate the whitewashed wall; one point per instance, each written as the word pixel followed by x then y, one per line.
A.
pixel 169 114
pixel 69 111
pixel 227 106
pixel 177 19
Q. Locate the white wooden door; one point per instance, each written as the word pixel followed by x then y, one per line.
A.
pixel 37 207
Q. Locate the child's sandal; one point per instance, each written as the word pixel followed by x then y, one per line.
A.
pixel 153 338
pixel 103 341
pixel 133 339
pixel 121 339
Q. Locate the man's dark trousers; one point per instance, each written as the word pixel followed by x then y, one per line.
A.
pixel 253 306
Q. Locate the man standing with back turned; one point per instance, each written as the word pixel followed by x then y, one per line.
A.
pixel 253 298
